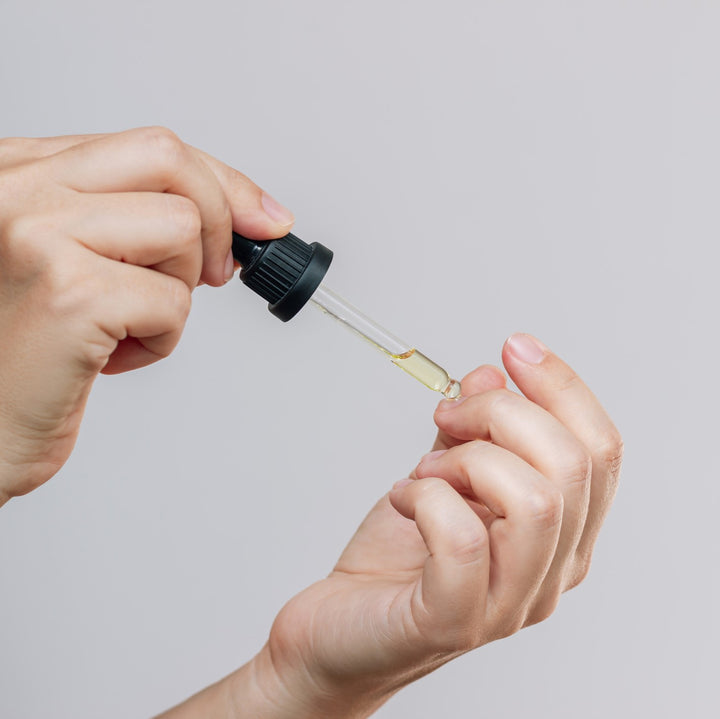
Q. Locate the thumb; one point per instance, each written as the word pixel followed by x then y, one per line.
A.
pixel 546 380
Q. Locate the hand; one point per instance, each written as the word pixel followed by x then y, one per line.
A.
pixel 500 521
pixel 102 240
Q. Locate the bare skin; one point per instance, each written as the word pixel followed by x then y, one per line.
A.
pixel 102 240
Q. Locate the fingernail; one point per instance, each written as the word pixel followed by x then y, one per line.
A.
pixel 430 456
pixel 526 348
pixel 402 483
pixel 448 404
pixel 276 211
pixel 229 266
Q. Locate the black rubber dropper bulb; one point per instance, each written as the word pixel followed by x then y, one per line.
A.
pixel 285 272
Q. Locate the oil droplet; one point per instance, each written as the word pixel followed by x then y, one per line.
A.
pixel 452 391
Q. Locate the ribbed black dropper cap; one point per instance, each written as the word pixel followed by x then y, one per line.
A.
pixel 284 272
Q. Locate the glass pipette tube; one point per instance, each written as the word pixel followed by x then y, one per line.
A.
pixel 404 355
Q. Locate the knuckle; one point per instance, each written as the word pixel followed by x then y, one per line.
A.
pixel 500 400
pixel 468 541
pixel 14 149
pixel 180 299
pixel 429 489
pixel 18 185
pixel 468 457
pixel 458 640
pixel 164 145
pixel 185 215
pixel 567 381
pixel 500 404
pixel 610 454
pixel 220 220
pixel 507 626
pixel 470 453
pixel 543 506
pixel 543 609
pixel 454 633
pixel 165 349
pixel 470 544
pixel 579 572
pixel 70 291
pixel 25 236
pixel 16 231
pixel 577 466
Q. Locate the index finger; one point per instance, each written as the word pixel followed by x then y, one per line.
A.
pixel 16 150
pixel 482 379
pixel 154 160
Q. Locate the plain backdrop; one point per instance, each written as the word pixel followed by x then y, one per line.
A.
pixel 479 168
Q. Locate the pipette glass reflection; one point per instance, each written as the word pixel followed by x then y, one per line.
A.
pixel 288 272
pixel 401 353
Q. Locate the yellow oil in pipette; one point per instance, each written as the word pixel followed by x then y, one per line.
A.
pixel 423 369
pixel 406 357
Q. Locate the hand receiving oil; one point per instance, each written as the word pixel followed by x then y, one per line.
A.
pixel 491 529
pixel 102 240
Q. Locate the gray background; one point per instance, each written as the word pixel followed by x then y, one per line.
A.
pixel 479 168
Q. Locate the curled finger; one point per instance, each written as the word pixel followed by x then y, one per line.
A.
pixel 152 160
pixel 528 510
pixel 451 594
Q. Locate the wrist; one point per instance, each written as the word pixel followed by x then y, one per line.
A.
pixel 259 689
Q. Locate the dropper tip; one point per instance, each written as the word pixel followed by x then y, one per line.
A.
pixel 452 391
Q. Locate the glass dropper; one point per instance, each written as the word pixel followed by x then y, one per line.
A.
pixel 288 273
pixel 401 353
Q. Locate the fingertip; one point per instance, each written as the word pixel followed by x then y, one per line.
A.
pixel 424 466
pixel 255 214
pixel 445 412
pixel 130 354
pixel 278 213
pixel 483 379
pixel 255 224
pixel 218 267
pixel 524 348
pixel 266 220
pixel 229 267
pixel 214 278
pixel 399 498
